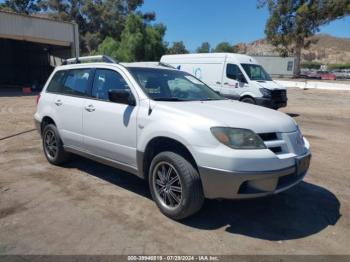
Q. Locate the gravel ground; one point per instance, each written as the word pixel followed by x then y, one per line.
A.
pixel 88 208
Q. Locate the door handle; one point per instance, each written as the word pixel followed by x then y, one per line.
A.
pixel 226 83
pixel 218 83
pixel 90 108
pixel 58 102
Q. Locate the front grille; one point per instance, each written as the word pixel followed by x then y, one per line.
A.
pixel 270 140
pixel 279 95
pixel 276 149
pixel 268 136
pixel 283 143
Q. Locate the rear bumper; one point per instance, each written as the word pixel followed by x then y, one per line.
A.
pixel 239 185
pixel 271 103
pixel 37 124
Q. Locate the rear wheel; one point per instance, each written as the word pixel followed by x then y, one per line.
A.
pixel 175 185
pixel 248 100
pixel 53 146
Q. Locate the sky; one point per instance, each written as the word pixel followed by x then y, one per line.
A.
pixel 214 21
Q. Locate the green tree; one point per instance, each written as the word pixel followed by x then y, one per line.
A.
pixel 109 47
pixel 178 48
pixel 293 22
pixel 20 6
pixel 154 44
pixel 131 47
pixel 204 48
pixel 225 47
pixel 237 49
pixel 97 19
pixel 139 41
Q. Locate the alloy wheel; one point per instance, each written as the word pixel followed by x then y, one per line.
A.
pixel 167 185
pixel 50 143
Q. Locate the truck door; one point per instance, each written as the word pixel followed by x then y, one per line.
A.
pixel 231 84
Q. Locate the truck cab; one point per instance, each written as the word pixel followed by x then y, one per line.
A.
pixel 234 76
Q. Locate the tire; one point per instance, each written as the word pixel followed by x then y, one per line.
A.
pixel 248 100
pixel 53 146
pixel 191 198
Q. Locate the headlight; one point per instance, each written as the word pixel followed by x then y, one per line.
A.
pixel 265 92
pixel 238 138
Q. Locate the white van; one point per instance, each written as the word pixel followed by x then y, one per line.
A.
pixel 234 76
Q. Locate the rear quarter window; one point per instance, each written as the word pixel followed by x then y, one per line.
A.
pixel 56 82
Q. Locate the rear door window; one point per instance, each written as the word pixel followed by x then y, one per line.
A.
pixel 76 82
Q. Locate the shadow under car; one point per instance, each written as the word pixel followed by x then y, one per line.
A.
pixel 301 211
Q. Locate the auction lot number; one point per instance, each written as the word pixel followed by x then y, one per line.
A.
pixel 173 258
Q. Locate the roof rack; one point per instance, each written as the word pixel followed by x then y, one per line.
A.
pixel 89 59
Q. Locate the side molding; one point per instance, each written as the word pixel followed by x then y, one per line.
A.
pixel 103 160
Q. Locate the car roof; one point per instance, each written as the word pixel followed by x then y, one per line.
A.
pixel 84 65
pixel 155 65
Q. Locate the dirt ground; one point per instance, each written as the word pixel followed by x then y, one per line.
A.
pixel 88 208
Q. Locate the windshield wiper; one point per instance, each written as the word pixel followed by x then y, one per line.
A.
pixel 168 99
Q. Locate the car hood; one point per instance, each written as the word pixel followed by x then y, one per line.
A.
pixel 272 85
pixel 230 113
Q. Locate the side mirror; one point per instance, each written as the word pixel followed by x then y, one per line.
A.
pixel 241 78
pixel 121 97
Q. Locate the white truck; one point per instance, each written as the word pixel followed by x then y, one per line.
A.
pixel 234 76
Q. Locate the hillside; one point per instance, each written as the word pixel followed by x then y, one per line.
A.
pixel 327 49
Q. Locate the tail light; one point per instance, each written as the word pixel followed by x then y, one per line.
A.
pixel 37 99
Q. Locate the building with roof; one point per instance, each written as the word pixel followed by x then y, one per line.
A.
pixel 31 46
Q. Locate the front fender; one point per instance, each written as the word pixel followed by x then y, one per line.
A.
pixel 167 129
pixel 248 93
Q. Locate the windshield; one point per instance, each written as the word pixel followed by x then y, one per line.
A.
pixel 256 72
pixel 172 85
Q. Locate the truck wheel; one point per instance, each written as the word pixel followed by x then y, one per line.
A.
pixel 175 185
pixel 53 146
pixel 248 100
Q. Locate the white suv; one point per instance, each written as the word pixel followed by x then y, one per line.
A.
pixel 166 126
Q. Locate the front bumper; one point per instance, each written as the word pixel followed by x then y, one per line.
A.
pixel 238 185
pixel 270 103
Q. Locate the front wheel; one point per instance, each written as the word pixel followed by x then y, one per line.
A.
pixel 175 185
pixel 248 100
